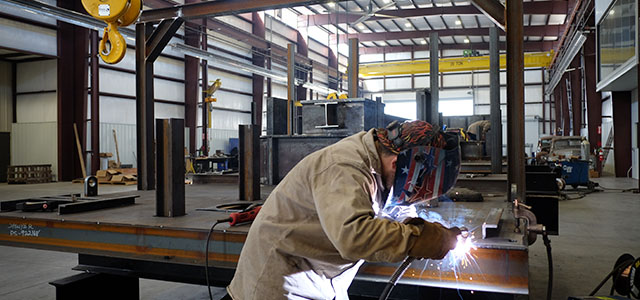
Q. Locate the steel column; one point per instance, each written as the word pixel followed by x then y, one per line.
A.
pixel 291 86
pixel 494 99
pixel 73 46
pixel 594 99
pixel 434 76
pixel 249 162
pixel 515 101
pixel 95 104
pixel 204 69
pixel 302 49
pixel 332 62
pixel 144 110
pixel 257 28
pixel 353 68
pixel 191 38
pixel 622 131
pixel 14 89
pixel 170 200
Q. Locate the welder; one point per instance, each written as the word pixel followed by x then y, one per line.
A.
pixel 327 216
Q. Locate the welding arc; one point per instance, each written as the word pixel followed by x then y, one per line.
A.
pixel 395 277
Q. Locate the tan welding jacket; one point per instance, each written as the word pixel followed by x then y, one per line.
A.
pixel 317 226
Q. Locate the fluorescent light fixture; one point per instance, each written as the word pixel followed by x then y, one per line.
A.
pixel 566 58
pixel 361 26
pixel 407 24
pixel 423 42
pixel 612 12
pixel 458 22
pixel 382 43
pixel 331 4
pixel 466 41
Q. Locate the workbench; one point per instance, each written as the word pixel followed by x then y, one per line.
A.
pixel 131 242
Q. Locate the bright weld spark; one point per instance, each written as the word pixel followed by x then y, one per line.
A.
pixel 460 254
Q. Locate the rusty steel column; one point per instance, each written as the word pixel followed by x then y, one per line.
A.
pixel 249 181
pixel 515 101
pixel 95 104
pixel 576 96
pixel 144 110
pixel 170 200
pixel 191 38
pixel 594 99
pixel 434 76
pixel 494 101
pixel 353 68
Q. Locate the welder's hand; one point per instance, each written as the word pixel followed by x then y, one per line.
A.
pixel 434 241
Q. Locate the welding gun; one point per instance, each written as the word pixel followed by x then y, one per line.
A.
pixel 242 217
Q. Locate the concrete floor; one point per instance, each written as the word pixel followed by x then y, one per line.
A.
pixel 594 231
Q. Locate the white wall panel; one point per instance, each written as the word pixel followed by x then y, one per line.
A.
pixel 28 14
pixel 168 67
pixel 42 107
pixel 481 79
pixel 231 82
pixel 167 111
pixel 316 57
pixel 373 85
pixel 37 76
pixel 236 22
pixel 366 58
pixel 420 54
pixel 233 100
pixel 533 93
pixel 34 144
pixel 398 83
pixel 533 76
pixel 168 90
pixel 278 91
pixel 398 56
pixel 451 80
pixel 421 82
pixel 21 36
pixel 117 82
pixel 117 110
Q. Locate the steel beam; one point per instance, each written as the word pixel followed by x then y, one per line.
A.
pixel 537 8
pixel 73 46
pixel 352 68
pixel 434 79
pixel 218 8
pixel 542 30
pixel 204 69
pixel 494 10
pixel 529 47
pixel 144 110
pixel 494 100
pixel 156 42
pixel 95 104
pixel 258 59
pixel 291 86
pixel 515 100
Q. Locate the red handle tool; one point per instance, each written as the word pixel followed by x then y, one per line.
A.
pixel 243 217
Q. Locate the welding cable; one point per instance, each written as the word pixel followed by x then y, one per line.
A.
pixel 395 277
pixel 622 266
pixel 547 244
pixel 206 256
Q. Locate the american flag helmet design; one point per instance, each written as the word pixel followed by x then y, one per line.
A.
pixel 424 173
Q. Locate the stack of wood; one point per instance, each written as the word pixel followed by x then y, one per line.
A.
pixel 117 176
pixel 29 174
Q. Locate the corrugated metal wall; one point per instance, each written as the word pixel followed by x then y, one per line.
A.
pixel 35 143
pixel 6 103
pixel 126 134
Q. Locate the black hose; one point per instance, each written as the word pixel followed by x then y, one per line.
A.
pixel 206 258
pixel 395 277
pixel 547 243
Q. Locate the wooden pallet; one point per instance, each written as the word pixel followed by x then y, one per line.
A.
pixel 118 182
pixel 28 174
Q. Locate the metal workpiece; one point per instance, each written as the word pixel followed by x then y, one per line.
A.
pixel 515 101
pixel 170 199
pixel 491 225
pixel 249 160
pixel 342 117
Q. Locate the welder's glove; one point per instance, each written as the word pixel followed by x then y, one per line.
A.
pixel 434 241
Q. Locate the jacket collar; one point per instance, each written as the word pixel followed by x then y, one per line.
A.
pixel 371 151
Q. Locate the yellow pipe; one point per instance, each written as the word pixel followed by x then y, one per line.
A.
pixel 455 64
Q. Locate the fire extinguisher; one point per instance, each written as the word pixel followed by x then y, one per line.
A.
pixel 600 154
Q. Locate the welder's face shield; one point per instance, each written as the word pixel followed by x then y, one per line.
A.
pixel 424 173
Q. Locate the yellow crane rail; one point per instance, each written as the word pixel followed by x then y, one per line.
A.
pixel 453 64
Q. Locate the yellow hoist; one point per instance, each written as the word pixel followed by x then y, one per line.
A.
pixel 116 13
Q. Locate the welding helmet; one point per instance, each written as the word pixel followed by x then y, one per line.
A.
pixel 428 162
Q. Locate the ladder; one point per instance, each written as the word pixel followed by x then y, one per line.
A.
pixel 607 146
pixel 570 104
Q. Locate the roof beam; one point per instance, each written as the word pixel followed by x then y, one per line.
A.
pixel 541 46
pixel 530 8
pixel 219 8
pixel 548 30
pixel 492 9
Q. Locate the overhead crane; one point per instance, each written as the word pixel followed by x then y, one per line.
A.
pixel 450 64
